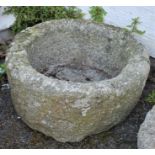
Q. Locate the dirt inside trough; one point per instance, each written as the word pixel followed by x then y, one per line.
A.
pixel 16 134
pixel 71 72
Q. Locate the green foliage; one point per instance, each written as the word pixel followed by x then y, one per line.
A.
pixel 151 97
pixel 97 14
pixel 133 27
pixel 27 16
pixel 2 70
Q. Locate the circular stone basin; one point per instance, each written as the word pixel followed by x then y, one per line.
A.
pixel 72 78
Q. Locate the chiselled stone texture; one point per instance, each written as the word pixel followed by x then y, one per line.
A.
pixel 146 134
pixel 71 110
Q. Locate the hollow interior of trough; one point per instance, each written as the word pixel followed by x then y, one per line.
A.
pixel 77 56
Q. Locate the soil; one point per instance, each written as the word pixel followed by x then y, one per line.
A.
pixel 16 134
pixel 74 73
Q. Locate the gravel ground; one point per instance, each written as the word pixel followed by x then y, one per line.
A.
pixel 15 134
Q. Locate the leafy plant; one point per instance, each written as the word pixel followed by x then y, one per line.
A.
pixel 97 14
pixel 27 16
pixel 133 27
pixel 2 70
pixel 151 97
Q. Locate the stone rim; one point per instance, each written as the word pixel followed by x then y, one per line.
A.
pixel 23 66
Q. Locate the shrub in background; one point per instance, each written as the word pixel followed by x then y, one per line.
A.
pixel 2 70
pixel 27 16
pixel 133 27
pixel 97 14
pixel 151 98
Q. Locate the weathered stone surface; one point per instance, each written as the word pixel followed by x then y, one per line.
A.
pixel 146 134
pixel 68 110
